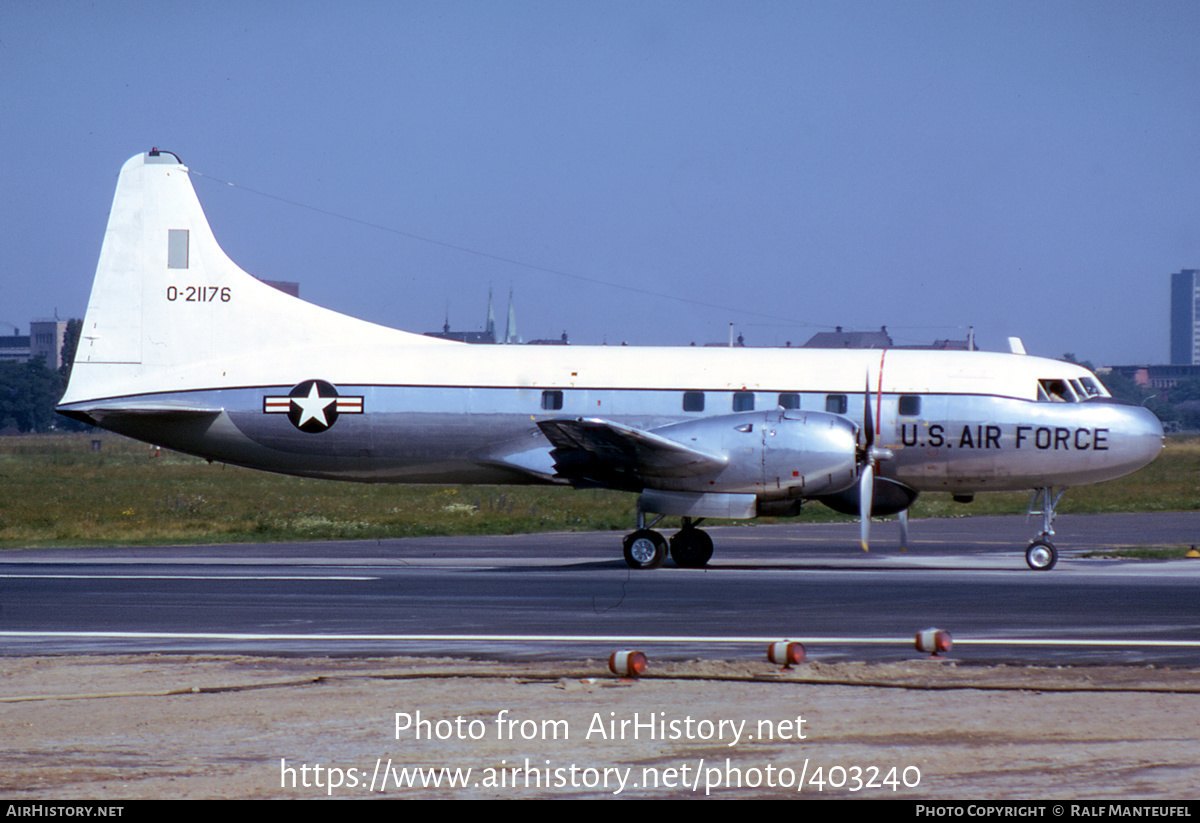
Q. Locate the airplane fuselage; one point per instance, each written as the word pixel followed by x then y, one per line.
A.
pixel 183 349
pixel 486 432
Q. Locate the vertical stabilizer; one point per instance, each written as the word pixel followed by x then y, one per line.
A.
pixel 170 311
pixel 112 330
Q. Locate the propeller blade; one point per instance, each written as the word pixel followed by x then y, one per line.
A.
pixel 868 422
pixel 904 530
pixel 866 485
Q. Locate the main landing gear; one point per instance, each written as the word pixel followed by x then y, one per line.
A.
pixel 1041 554
pixel 690 548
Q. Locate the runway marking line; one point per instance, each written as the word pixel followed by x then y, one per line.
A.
pixel 178 577
pixel 586 638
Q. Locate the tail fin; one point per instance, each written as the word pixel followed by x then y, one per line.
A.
pixel 170 311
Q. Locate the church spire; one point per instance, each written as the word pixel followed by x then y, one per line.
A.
pixel 491 319
pixel 510 331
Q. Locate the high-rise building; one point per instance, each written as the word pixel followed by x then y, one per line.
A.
pixel 46 341
pixel 1185 317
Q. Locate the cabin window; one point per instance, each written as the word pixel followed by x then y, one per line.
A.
pixel 910 405
pixel 835 403
pixel 743 401
pixel 552 400
pixel 693 401
pixel 789 400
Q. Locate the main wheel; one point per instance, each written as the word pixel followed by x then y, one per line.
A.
pixel 1041 555
pixel 691 548
pixel 645 549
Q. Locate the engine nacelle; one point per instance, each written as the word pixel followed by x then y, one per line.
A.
pixel 775 455
pixel 887 497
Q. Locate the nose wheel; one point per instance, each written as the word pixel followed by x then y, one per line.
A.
pixel 1041 555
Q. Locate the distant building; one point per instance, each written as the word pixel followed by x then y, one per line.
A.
pixel 1185 317
pixel 551 341
pixel 510 328
pixel 14 348
pixel 1162 378
pixel 850 339
pixel 462 336
pixel 881 340
pixel 946 345
pixel 740 343
pixel 488 335
pixel 45 340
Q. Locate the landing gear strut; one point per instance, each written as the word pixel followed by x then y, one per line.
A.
pixel 645 548
pixel 1041 554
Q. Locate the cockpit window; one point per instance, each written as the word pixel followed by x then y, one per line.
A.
pixel 1092 387
pixel 1056 391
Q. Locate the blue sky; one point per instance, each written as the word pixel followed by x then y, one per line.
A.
pixel 658 170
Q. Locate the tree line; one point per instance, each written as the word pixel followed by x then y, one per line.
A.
pixel 1175 407
pixel 29 391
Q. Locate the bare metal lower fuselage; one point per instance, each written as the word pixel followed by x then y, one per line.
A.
pixel 960 444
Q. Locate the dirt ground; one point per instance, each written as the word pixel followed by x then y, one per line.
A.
pixel 115 727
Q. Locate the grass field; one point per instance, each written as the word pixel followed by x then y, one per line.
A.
pixel 59 490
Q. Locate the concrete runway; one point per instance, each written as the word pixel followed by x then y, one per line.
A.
pixel 566 595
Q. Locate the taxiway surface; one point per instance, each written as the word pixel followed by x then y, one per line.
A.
pixel 567 595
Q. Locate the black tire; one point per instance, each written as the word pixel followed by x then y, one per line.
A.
pixel 645 549
pixel 691 548
pixel 1041 556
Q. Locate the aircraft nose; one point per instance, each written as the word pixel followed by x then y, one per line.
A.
pixel 1140 436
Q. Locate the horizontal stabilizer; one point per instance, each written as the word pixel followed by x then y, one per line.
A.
pixel 95 413
pixel 609 454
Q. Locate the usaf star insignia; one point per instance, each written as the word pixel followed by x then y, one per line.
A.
pixel 313 405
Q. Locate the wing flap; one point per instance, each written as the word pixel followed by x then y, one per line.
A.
pixel 609 454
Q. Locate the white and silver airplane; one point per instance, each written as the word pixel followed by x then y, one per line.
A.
pixel 183 349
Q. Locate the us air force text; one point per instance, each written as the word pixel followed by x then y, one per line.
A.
pixel 1045 438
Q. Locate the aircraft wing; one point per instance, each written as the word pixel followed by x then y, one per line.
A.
pixel 600 452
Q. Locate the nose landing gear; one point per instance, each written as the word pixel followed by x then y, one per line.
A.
pixel 1042 555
